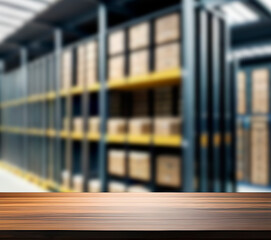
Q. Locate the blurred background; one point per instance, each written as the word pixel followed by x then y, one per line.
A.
pixel 135 96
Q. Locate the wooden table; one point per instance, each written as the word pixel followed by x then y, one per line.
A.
pixel 135 216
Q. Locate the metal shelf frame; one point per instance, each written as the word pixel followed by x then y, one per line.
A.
pixel 206 130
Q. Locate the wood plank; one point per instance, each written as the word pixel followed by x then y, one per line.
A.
pixel 105 213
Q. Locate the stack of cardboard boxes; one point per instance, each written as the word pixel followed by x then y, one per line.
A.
pixel 139 42
pixel 81 65
pixel 260 91
pixel 91 63
pixel 167 52
pixel 66 75
pixel 87 64
pixel 260 151
pixel 116 62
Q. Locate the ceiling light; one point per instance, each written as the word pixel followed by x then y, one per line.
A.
pixel 266 3
pixel 238 13
pixel 15 12
pixel 32 5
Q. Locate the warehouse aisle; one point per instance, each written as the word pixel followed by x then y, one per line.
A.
pixel 12 183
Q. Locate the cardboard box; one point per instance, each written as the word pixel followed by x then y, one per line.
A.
pixel 116 68
pixel 140 166
pixel 116 187
pixel 240 167
pixel 94 186
pixel 92 51
pixel 116 42
pixel 117 126
pixel 117 163
pixel 167 126
pixel 168 171
pixel 94 125
pixel 137 189
pixel 260 168
pixel 66 71
pixel 66 177
pixel 139 62
pixel 91 62
pixel 78 183
pixel 167 28
pixel 78 124
pixel 81 65
pixel 167 57
pixel 140 126
pixel 139 36
pixel 260 91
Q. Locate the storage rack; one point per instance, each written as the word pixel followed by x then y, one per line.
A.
pixel 244 121
pixel 205 144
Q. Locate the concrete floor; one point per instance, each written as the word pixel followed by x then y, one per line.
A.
pixel 12 183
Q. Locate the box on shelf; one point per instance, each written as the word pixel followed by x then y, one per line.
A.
pixel 116 42
pixel 139 62
pixel 91 63
pixel 139 36
pixel 116 187
pixel 260 91
pixel 78 124
pixel 94 125
pixel 66 177
pixel 167 28
pixel 260 167
pixel 116 126
pixel 117 163
pixel 116 68
pixel 81 65
pixel 167 126
pixel 168 171
pixel 66 71
pixel 167 57
pixel 241 93
pixel 77 181
pixel 137 189
pixel 140 126
pixel 140 166
pixel 94 185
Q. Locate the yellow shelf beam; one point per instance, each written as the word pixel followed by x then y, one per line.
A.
pixel 155 79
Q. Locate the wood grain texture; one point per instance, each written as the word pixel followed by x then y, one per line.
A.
pixel 151 212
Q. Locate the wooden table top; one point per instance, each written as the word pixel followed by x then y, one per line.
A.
pixel 135 212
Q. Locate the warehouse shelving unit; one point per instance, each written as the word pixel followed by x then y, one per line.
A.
pixel 205 81
pixel 244 124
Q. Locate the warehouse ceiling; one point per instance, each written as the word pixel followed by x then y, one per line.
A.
pixel 250 20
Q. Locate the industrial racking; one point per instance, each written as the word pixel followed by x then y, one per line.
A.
pixel 32 114
pixel 244 125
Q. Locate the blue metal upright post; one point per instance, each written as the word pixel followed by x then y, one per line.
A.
pixel 188 93
pixel 216 81
pixel 58 50
pixel 103 103
pixel 203 104
pixel 24 79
